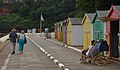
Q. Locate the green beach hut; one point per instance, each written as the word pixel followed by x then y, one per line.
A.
pixel 99 27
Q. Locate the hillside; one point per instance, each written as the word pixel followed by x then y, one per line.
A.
pixel 27 13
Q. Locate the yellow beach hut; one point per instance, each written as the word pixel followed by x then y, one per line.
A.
pixel 74 32
pixel 60 31
pixel 87 29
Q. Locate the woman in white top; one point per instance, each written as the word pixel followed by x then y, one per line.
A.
pixel 21 41
pixel 86 52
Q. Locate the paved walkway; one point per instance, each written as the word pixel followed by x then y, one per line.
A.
pixel 34 59
pixel 4 52
pixel 31 59
pixel 69 57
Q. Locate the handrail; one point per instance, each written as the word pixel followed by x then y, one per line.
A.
pixel 4 38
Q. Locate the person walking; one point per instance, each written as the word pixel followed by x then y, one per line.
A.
pixel 21 41
pixel 13 37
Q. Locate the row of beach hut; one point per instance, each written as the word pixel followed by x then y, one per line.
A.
pixel 69 31
pixel 103 24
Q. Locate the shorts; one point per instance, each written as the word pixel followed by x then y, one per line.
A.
pixel 84 52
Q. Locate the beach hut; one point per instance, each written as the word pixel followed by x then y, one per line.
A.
pixel 58 26
pixel 99 27
pixel 87 29
pixel 65 31
pixel 74 32
pixel 60 31
pixel 113 29
pixel 62 22
pixel 56 31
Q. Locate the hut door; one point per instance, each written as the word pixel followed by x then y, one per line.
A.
pixel 114 25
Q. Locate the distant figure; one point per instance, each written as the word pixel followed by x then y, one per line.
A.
pixel 13 37
pixel 22 41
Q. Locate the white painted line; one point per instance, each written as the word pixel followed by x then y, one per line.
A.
pixel 62 44
pixel 75 49
pixel 69 46
pixel 56 61
pixel 3 67
pixel 46 53
pixel 6 63
pixel 9 55
pixel 42 49
pixel 66 69
pixel 51 57
pixel 60 65
pixel 66 46
pixel 37 45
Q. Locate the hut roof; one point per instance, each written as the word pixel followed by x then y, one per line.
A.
pixel 103 13
pixel 91 16
pixel 76 21
pixel 117 8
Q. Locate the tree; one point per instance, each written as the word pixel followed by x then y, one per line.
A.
pixel 28 13
pixel 1 3
pixel 84 6
pixel 14 20
pixel 105 5
pixel 24 10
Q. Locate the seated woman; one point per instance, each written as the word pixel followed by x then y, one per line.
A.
pixel 86 52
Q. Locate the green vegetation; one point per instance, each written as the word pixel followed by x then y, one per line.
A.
pixel 27 14
pixel 84 6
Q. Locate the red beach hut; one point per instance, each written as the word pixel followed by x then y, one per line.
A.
pixel 113 30
pixel 56 31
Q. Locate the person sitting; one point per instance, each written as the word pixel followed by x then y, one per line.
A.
pixel 86 52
